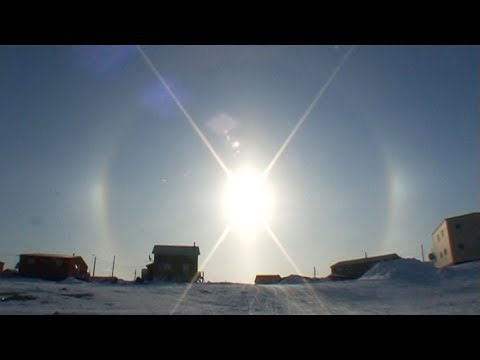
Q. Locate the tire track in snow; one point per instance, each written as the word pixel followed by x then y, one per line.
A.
pixel 275 302
pixel 254 300
pixel 293 306
pixel 303 300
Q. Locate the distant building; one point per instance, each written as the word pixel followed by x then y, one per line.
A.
pixel 353 269
pixel 53 266
pixel 105 279
pixel 267 279
pixel 174 263
pixel 456 240
pixel 1 266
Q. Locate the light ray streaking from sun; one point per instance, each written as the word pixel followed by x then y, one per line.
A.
pixel 182 109
pixel 280 246
pixel 297 270
pixel 308 111
pixel 220 240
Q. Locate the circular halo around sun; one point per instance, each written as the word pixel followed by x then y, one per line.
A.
pixel 247 199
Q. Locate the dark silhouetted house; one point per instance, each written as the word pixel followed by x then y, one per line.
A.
pixel 1 267
pixel 53 266
pixel 456 240
pixel 353 269
pixel 267 279
pixel 174 263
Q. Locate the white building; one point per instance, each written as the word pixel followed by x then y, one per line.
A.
pixel 456 240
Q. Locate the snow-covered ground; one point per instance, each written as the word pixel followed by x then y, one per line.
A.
pixel 395 287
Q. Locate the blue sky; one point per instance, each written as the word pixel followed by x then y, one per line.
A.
pixel 96 158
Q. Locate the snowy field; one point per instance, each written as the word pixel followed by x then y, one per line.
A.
pixel 397 287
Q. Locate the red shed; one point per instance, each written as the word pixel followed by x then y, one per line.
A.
pixel 267 279
pixel 53 266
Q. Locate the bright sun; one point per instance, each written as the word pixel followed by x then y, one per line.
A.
pixel 247 198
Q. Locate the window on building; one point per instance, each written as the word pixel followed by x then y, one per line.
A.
pixel 442 233
pixel 30 261
pixel 461 247
pixel 458 226
pixel 445 252
pixel 59 262
pixel 438 237
pixel 441 255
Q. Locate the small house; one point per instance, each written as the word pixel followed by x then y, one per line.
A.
pixel 53 266
pixel 174 263
pixel 267 279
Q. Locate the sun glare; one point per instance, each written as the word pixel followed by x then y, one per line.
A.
pixel 247 198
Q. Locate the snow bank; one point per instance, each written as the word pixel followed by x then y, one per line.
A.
pixel 409 270
pixel 71 280
pixel 466 271
pixel 298 279
pixel 293 279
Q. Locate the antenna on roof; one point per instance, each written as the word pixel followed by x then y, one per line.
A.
pixel 194 243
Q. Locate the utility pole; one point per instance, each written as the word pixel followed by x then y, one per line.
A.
pixel 365 254
pixel 314 272
pixel 423 257
pixel 135 275
pixel 113 266
pixel 94 263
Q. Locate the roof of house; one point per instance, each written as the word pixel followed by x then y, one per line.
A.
pixel 452 218
pixel 367 260
pixel 464 215
pixel 268 278
pixel 56 256
pixel 176 250
pixel 60 256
